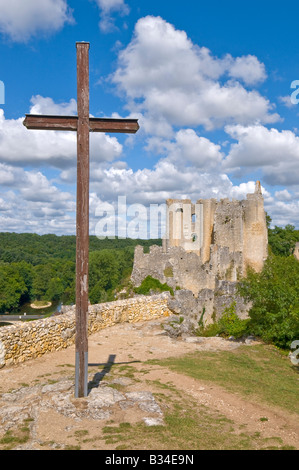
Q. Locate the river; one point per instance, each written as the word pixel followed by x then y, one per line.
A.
pixel 25 308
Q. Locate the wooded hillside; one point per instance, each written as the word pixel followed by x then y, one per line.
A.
pixel 42 267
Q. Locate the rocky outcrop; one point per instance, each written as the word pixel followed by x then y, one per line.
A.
pixel 189 310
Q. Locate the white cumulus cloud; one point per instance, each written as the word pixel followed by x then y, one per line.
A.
pixel 45 105
pixel 167 78
pixel 107 9
pixel 22 19
pixel 29 201
pixel 23 147
pixel 275 152
pixel 188 148
pixel 249 69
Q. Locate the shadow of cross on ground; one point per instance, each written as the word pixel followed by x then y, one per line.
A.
pixel 99 376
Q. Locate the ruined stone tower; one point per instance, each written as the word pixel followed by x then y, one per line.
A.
pixel 238 225
pixel 207 242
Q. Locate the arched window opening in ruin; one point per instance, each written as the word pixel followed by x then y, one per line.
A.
pixel 193 218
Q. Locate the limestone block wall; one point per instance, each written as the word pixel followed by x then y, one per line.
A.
pixel 209 208
pixel 228 225
pixel 255 232
pixel 209 305
pixel 28 340
pixel 186 268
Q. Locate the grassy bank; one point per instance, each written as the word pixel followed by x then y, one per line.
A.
pixel 260 372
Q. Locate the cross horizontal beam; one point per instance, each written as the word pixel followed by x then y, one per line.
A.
pixel 70 123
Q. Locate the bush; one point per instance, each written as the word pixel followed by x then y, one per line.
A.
pixel 229 324
pixel 208 331
pixel 150 284
pixel 274 293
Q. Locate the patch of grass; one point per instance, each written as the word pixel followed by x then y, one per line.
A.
pixel 168 272
pixel 81 433
pixel 18 436
pixel 188 426
pixel 65 365
pixel 144 371
pixel 260 372
pixel 166 386
pixel 127 371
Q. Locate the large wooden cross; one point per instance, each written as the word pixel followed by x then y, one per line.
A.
pixel 83 124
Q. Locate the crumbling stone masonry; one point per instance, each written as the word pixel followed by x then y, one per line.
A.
pixel 206 244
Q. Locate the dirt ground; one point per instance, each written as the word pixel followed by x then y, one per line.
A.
pixel 41 390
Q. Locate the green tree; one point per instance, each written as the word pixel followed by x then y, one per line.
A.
pixel 67 274
pixel 98 295
pixel 43 274
pixel 55 289
pixel 26 272
pixel 282 240
pixel 104 273
pixel 274 293
pixel 12 287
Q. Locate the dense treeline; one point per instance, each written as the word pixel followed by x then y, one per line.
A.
pixel 37 249
pixel 283 240
pixel 34 267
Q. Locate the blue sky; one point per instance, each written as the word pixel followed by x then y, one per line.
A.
pixel 209 82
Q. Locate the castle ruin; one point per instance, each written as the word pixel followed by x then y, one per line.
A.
pixel 208 247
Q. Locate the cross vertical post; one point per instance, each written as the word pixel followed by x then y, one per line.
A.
pixel 82 124
pixel 82 216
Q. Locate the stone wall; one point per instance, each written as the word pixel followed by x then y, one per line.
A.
pixel 179 268
pixel 28 340
pixel 208 306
